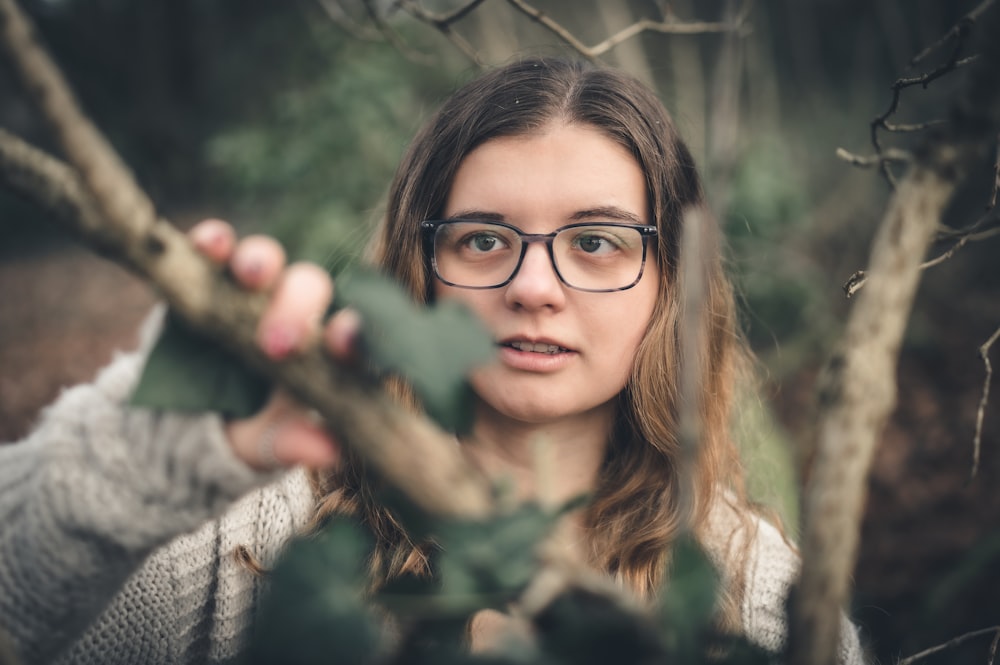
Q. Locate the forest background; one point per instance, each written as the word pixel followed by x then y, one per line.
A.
pixel 288 117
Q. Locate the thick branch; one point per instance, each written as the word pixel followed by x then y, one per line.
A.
pixel 859 393
pixel 859 389
pixel 102 200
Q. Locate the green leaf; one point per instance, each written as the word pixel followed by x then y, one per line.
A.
pixel 433 348
pixel 479 563
pixel 186 371
pixel 315 611
pixel 687 604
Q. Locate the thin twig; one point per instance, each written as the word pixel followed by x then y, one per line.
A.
pixel 993 649
pixel 442 20
pixel 958 33
pixel 996 178
pixel 860 277
pixel 394 39
pixel 912 127
pixel 867 161
pixel 984 353
pixel 644 25
pixel 961 639
pixel 946 233
pixel 958 30
pixel 442 23
pixel 336 13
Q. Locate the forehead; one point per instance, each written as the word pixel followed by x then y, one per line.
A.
pixel 548 176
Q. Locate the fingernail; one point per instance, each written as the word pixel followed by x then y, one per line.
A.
pixel 279 341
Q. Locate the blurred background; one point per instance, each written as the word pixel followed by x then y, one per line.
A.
pixel 289 116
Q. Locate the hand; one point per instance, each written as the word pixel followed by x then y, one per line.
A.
pixel 283 433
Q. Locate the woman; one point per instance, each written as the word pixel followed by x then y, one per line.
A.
pixel 548 196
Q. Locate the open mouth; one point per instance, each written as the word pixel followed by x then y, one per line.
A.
pixel 531 347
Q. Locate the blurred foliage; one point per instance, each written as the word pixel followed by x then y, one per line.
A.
pixel 185 371
pixel 316 611
pixel 315 156
pixel 264 112
pixel 433 348
pixel 768 209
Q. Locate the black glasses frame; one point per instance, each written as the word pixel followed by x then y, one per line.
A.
pixel 431 226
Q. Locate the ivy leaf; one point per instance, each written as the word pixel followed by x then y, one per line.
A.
pixel 433 348
pixel 314 611
pixel 187 371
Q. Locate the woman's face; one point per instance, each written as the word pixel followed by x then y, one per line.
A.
pixel 563 352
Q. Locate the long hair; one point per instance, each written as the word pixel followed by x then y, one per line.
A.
pixel 647 495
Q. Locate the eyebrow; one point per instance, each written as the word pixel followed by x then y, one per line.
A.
pixel 602 212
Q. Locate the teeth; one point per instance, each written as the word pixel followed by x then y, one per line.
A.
pixel 537 348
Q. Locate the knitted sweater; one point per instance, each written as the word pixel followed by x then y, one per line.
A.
pixel 118 528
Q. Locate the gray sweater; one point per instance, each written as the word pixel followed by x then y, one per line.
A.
pixel 118 529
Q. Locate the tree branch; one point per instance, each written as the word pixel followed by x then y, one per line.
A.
pixel 644 25
pixel 408 451
pixel 959 34
pixel 952 643
pixel 984 353
pixel 858 389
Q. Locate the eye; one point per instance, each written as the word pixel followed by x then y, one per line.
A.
pixel 591 243
pixel 483 242
pixel 597 241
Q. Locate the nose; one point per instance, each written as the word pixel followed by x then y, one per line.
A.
pixel 536 284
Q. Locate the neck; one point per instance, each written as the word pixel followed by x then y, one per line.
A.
pixel 551 462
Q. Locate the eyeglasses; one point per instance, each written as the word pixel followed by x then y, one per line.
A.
pixel 474 254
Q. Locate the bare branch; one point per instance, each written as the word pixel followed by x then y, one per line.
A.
pixel 857 395
pixel 996 178
pixel 858 388
pixel 867 161
pixel 335 12
pixel 911 127
pixel 965 236
pixel 984 353
pixel 962 242
pixel 957 31
pixel 408 451
pixel 644 25
pixel 440 20
pixel 442 23
pixel 394 39
pixel 950 644
pixel 958 34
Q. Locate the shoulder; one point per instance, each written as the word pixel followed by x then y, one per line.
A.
pixel 761 560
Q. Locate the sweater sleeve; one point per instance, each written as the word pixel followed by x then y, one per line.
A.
pixel 771 569
pixel 91 493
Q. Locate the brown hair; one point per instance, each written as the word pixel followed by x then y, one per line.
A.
pixel 639 507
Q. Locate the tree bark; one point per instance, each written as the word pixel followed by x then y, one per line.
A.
pixel 858 390
pixel 98 197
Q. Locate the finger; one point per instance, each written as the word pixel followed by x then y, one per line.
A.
pixel 257 262
pixel 214 238
pixel 291 321
pixel 283 434
pixel 302 442
pixel 341 335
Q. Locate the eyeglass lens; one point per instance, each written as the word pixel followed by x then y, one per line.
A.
pixel 594 257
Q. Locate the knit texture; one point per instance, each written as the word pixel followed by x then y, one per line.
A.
pixel 118 529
